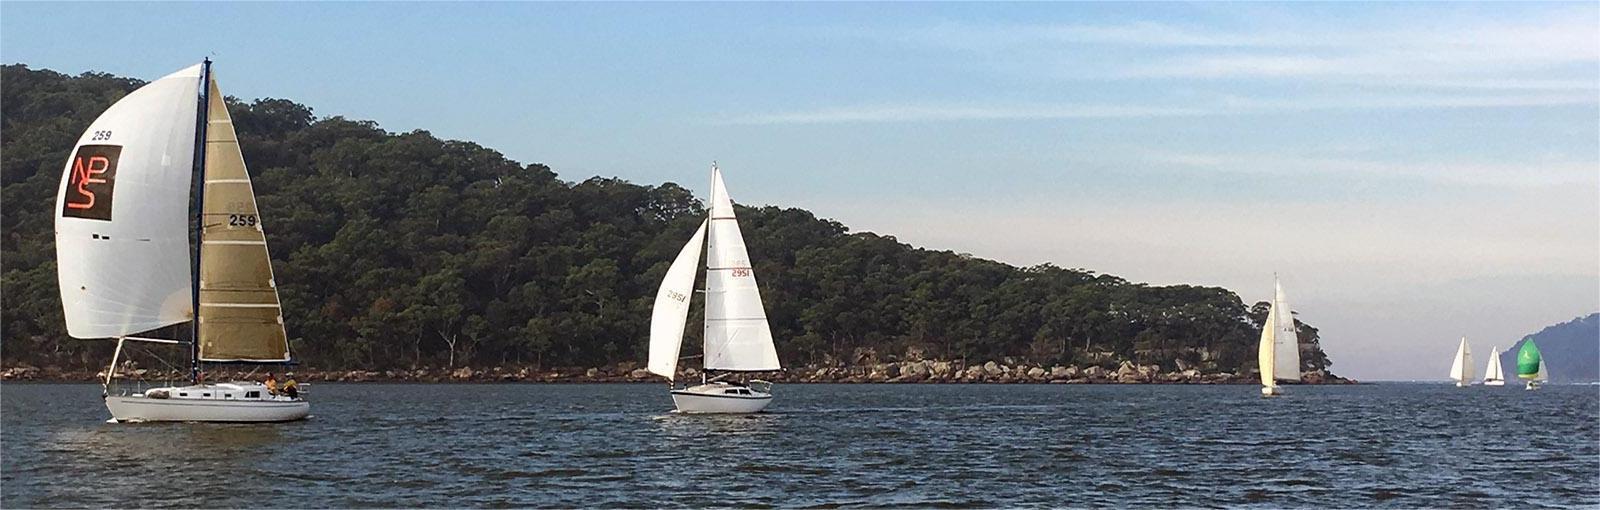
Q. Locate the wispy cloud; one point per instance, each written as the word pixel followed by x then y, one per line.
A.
pixel 1522 174
pixel 1217 106
pixel 1540 47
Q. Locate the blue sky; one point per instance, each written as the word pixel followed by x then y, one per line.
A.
pixel 1416 172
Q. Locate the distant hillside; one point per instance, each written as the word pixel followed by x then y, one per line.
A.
pixel 1571 350
pixel 397 250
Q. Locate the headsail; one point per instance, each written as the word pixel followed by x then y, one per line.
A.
pixel 1461 369
pixel 122 213
pixel 1265 353
pixel 1529 363
pixel 240 316
pixel 737 334
pixel 671 309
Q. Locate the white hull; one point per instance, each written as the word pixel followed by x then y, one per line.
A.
pixel 1533 385
pixel 720 398
pixel 1494 383
pixel 1270 391
pixel 241 403
pixel 1462 384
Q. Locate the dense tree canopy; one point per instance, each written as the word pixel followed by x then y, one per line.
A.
pixel 400 249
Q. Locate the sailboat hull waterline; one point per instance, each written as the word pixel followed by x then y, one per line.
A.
pixel 237 402
pixel 720 398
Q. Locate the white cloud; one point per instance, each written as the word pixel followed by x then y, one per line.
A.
pixel 1219 105
pixel 1522 174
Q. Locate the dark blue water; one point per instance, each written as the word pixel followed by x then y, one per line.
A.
pixel 1399 445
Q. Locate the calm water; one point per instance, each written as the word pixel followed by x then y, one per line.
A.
pixel 1399 445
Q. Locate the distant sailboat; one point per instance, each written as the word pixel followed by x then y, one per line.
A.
pixel 1279 351
pixel 1493 374
pixel 737 336
pixel 1530 365
pixel 1461 369
pixel 125 264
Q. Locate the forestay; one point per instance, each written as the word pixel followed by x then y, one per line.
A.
pixel 240 316
pixel 737 336
pixel 122 213
pixel 671 310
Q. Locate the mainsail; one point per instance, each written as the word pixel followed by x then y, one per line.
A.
pixel 737 336
pixel 240 316
pixel 122 213
pixel 671 309
pixel 1493 372
pixel 1529 363
pixel 1461 369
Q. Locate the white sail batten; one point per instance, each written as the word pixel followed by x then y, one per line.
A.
pixel 671 311
pixel 1493 372
pixel 1286 338
pixel 1461 369
pixel 122 213
pixel 737 336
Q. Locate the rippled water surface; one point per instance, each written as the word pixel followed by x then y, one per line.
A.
pixel 1394 445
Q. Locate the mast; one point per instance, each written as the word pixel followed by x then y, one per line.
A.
pixel 201 117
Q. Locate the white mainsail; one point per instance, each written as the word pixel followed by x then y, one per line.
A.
pixel 1278 353
pixel 122 213
pixel 1461 369
pixel 1493 372
pixel 737 336
pixel 1286 338
pixel 671 310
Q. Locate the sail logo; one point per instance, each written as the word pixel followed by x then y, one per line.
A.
pixel 90 180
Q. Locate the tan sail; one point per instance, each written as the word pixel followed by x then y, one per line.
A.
pixel 240 317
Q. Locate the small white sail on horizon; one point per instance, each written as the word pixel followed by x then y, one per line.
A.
pixel 1493 374
pixel 1461 368
pixel 1279 351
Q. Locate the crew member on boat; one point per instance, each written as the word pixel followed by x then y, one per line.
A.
pixel 291 389
pixel 272 384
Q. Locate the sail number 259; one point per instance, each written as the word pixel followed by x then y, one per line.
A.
pixel 241 220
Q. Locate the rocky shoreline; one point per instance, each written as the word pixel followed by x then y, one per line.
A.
pixel 921 371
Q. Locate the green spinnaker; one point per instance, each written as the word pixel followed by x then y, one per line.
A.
pixel 1528 360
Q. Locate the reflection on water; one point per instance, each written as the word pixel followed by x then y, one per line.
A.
pixel 823 445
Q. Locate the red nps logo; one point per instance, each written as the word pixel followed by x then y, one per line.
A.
pixel 90 181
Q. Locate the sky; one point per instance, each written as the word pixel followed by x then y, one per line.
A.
pixel 1414 173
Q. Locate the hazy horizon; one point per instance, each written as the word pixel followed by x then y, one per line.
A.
pixel 1414 173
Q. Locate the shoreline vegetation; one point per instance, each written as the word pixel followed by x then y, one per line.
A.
pixel 904 372
pixel 401 249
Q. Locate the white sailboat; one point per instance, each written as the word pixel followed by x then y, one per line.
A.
pixel 124 256
pixel 1494 375
pixel 1279 351
pixel 1461 369
pixel 737 336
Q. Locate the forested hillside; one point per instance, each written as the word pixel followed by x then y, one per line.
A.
pixel 397 250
